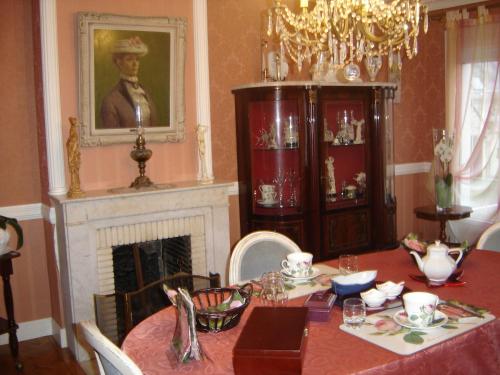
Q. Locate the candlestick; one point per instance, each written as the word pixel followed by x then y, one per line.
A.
pixel 141 155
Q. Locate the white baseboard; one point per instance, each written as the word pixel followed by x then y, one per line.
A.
pixel 38 328
pixel 30 330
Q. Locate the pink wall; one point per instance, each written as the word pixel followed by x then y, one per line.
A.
pixel 233 54
pixel 111 166
pixel 19 173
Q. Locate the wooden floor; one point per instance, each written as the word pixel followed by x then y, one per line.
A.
pixel 43 356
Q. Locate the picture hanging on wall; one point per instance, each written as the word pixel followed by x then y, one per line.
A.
pixel 131 72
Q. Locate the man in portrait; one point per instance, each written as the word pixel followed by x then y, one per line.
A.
pixel 128 102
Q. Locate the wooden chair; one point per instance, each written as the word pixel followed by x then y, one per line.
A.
pixel 117 314
pixel 110 359
pixel 259 252
pixel 151 298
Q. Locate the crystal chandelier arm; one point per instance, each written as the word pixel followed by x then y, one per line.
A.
pixel 348 30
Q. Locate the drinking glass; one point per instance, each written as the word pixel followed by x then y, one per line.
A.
pixel 273 289
pixel 354 312
pixel 348 264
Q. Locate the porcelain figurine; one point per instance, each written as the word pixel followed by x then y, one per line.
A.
pixel 331 191
pixel 437 265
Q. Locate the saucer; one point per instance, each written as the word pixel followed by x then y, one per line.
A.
pixel 264 203
pixel 314 273
pixel 439 320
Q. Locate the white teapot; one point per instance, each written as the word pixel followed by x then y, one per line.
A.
pixel 437 265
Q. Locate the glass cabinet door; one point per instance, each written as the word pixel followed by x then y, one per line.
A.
pixel 343 153
pixel 277 138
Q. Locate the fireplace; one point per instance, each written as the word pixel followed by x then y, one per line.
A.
pixel 140 264
pixel 88 229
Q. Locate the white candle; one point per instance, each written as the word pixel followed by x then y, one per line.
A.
pixel 304 3
pixel 138 116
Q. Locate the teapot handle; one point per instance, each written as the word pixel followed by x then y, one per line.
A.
pixel 460 254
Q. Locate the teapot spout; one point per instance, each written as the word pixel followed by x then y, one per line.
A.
pixel 419 260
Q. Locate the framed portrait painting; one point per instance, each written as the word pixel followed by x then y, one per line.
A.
pixel 131 74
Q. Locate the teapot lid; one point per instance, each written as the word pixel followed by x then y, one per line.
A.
pixel 437 245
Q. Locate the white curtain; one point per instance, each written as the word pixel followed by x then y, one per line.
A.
pixel 473 113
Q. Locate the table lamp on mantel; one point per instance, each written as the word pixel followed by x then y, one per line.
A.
pixel 140 154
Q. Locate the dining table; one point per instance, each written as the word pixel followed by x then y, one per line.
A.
pixel 330 350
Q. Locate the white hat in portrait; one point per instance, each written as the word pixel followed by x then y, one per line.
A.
pixel 131 45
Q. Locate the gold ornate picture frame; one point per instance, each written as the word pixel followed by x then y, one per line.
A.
pixel 160 77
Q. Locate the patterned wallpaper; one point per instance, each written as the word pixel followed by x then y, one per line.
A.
pixel 233 44
pixel 422 104
pixel 234 53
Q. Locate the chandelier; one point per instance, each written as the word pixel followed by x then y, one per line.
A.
pixel 340 33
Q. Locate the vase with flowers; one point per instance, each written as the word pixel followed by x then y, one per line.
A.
pixel 443 179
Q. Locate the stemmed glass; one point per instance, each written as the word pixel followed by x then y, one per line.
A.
pixel 291 177
pixel 280 181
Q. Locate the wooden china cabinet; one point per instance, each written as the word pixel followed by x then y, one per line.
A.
pixel 315 162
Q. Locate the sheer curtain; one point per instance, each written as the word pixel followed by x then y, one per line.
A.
pixel 473 113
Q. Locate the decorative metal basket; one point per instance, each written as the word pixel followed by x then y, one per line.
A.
pixel 216 321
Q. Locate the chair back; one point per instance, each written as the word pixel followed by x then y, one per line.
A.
pixel 490 239
pixel 259 252
pixel 110 359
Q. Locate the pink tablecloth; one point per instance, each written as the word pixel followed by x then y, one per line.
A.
pixel 331 351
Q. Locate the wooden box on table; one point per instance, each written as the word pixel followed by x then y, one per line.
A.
pixel 273 341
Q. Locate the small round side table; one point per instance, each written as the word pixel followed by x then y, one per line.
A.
pixel 453 213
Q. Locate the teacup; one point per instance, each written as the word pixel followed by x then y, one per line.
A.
pixel 267 188
pixel 420 307
pixel 298 264
pixel 269 197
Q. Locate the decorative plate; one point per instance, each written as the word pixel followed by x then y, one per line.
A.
pixel 439 320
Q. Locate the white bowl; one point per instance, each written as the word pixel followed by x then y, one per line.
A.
pixel 373 297
pixel 391 289
pixel 356 278
pixel 353 283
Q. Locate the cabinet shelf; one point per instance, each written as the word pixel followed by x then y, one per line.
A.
pixel 330 144
pixel 346 203
pixel 261 149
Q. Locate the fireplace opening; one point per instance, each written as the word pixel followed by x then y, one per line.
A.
pixel 140 264
pixel 135 266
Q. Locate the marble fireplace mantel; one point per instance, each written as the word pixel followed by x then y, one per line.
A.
pixel 87 226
